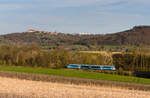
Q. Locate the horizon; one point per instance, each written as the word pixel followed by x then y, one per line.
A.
pixel 81 33
pixel 69 16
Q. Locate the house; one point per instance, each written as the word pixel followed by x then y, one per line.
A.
pixel 31 31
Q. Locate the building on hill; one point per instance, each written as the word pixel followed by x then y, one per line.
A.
pixel 46 32
pixel 54 33
pixel 31 31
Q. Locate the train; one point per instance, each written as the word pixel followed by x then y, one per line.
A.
pixel 93 67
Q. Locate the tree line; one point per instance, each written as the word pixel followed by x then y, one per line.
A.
pixel 34 56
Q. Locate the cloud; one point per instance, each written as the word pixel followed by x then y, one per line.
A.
pixel 38 4
pixel 77 3
pixel 55 3
pixel 11 7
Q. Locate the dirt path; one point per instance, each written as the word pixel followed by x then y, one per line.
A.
pixel 15 88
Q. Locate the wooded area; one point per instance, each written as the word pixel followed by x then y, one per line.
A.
pixel 34 56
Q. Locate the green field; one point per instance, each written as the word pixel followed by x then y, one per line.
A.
pixel 77 74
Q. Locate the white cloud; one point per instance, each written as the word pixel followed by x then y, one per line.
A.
pixel 30 4
pixel 9 7
pixel 13 7
pixel 75 3
pixel 53 3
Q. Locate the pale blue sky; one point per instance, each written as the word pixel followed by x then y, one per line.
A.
pixel 73 16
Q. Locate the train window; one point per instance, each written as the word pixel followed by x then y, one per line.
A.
pixel 106 67
pixel 95 67
pixel 84 66
pixel 74 65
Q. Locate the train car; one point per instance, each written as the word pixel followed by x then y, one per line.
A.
pixel 73 66
pixel 108 67
pixel 94 67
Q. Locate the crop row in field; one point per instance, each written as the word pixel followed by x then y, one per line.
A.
pixel 16 88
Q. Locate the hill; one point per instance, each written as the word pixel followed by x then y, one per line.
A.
pixel 138 35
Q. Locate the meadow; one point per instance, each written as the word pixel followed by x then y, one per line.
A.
pixel 76 74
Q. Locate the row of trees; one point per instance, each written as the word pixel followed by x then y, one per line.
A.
pixel 32 55
pixel 135 61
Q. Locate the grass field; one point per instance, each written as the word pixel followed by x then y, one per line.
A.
pixel 77 74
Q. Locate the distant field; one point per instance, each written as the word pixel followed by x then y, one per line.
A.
pixel 101 52
pixel 77 74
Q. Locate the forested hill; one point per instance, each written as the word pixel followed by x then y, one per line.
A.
pixel 139 35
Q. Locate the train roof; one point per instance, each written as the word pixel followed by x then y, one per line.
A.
pixel 90 65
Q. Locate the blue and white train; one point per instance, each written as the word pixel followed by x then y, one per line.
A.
pixel 94 67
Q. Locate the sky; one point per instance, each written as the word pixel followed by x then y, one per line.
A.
pixel 73 16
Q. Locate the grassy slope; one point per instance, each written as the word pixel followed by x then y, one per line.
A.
pixel 77 73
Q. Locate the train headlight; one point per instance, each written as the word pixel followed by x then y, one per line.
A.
pixel 114 68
